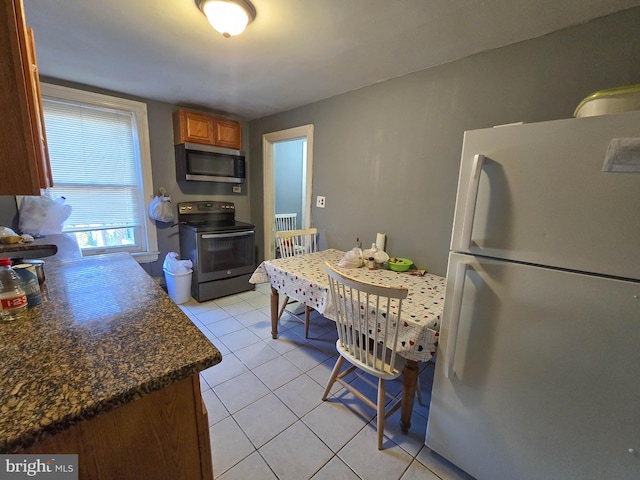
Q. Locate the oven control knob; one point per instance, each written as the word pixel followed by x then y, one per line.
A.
pixel 228 272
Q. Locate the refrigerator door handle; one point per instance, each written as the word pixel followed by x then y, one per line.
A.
pixel 463 240
pixel 452 317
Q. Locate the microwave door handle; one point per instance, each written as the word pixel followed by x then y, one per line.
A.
pixel 212 178
pixel 227 235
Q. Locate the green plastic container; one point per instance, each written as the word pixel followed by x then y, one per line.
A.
pixel 613 100
pixel 400 267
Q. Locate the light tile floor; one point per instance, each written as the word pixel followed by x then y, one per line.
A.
pixel 266 416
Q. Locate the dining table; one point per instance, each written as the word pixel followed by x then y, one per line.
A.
pixel 303 278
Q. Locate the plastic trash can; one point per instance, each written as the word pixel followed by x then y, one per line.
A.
pixel 178 286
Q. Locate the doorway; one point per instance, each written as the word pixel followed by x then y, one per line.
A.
pixel 277 147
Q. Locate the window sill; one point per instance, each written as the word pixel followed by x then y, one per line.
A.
pixel 145 257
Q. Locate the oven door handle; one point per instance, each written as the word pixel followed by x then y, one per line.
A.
pixel 227 235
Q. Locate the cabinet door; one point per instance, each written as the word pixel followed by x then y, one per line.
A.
pixel 227 133
pixel 22 139
pixel 161 435
pixel 42 150
pixel 192 127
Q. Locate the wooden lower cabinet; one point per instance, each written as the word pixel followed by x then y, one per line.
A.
pixel 162 435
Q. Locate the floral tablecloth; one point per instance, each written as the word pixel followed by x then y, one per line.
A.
pixel 302 278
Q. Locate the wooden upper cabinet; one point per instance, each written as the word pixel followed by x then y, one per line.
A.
pixel 42 148
pixel 24 160
pixel 227 133
pixel 193 127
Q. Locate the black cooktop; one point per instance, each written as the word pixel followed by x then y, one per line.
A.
pixel 210 216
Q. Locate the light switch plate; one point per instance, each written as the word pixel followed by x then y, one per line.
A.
pixel 320 201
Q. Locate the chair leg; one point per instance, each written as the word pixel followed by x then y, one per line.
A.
pixel 307 312
pixel 332 378
pixel 381 399
pixel 284 305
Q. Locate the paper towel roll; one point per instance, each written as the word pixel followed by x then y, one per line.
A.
pixel 380 238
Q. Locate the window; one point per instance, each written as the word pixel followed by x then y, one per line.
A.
pixel 99 153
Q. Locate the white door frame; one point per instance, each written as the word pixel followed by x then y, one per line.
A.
pixel 269 181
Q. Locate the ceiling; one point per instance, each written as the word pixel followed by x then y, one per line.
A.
pixel 295 52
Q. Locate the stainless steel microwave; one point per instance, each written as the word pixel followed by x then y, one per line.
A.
pixel 206 163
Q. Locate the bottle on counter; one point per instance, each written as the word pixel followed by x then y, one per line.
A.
pixel 30 285
pixel 358 250
pixel 13 298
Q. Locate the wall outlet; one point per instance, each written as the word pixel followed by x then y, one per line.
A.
pixel 237 189
pixel 320 201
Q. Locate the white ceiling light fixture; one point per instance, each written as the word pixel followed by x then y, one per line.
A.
pixel 229 17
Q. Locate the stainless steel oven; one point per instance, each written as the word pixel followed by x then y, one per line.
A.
pixel 222 249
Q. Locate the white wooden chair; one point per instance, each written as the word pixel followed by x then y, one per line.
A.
pixel 297 242
pixel 367 338
pixel 292 243
pixel 286 221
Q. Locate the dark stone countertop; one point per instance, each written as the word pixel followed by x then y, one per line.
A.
pixel 104 335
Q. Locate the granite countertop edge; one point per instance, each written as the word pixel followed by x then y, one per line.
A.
pixel 85 352
pixel 30 437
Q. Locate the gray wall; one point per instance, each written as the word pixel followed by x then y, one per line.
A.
pixel 386 156
pixel 8 212
pixel 164 174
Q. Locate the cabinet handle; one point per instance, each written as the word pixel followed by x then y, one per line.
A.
pixel 227 235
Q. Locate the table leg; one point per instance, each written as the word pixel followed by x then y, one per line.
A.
pixel 275 300
pixel 409 382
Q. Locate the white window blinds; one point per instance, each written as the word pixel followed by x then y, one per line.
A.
pixel 101 163
pixel 94 155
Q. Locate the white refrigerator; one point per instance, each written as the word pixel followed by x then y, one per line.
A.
pixel 538 368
